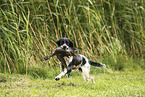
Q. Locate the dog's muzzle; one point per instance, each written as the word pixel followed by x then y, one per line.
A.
pixel 64 47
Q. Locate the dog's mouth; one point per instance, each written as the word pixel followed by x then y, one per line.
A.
pixel 64 47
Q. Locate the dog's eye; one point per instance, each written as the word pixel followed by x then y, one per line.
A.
pixel 62 42
pixel 66 42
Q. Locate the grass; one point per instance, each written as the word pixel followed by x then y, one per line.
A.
pixel 117 84
pixel 103 29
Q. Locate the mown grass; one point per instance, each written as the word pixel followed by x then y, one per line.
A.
pixel 117 84
pixel 105 30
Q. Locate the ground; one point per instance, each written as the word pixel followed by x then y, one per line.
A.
pixel 116 84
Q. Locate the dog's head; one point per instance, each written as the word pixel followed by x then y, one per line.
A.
pixel 64 43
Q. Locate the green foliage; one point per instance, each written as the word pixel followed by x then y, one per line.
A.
pixel 43 72
pixel 108 31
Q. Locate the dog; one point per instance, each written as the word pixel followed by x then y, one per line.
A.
pixel 64 50
pixel 71 61
pixel 81 63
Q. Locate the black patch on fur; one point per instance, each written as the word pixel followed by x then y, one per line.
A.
pixel 68 69
pixel 84 61
pixel 75 62
pixel 80 69
pixel 66 41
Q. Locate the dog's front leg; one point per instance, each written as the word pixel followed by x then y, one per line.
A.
pixel 61 75
pixel 68 69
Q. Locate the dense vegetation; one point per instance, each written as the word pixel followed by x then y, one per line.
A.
pixel 108 31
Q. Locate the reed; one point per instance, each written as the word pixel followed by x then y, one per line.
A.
pixel 108 31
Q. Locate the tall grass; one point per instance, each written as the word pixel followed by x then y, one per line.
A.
pixel 109 30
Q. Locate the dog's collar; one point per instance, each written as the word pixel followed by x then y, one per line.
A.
pixel 75 58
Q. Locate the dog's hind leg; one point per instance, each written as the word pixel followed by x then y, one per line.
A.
pixel 86 76
pixel 92 78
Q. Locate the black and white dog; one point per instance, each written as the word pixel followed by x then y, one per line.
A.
pixel 76 61
pixel 64 50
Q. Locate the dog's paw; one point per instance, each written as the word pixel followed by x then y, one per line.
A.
pixel 57 78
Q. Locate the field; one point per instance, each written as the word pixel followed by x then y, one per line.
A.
pixel 116 84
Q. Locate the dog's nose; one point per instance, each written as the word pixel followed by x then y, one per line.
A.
pixel 64 47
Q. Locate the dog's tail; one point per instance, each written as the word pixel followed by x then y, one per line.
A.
pixel 96 64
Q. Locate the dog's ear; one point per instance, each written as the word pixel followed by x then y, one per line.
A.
pixel 70 44
pixel 64 40
pixel 58 42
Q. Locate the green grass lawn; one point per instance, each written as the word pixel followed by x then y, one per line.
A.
pixel 117 84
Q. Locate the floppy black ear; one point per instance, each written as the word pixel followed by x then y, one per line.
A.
pixel 58 42
pixel 64 40
pixel 70 44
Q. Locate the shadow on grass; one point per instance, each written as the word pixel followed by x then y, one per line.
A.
pixel 71 84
